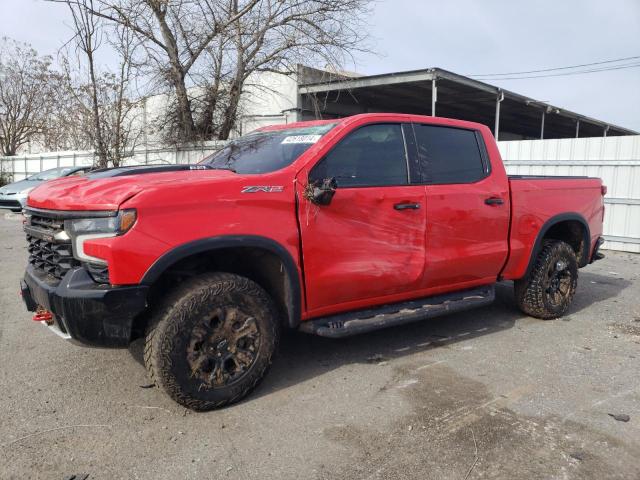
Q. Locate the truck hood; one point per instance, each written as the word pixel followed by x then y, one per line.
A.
pixel 107 189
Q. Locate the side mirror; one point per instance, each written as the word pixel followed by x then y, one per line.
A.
pixel 320 192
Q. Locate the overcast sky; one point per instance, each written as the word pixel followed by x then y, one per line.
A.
pixel 466 37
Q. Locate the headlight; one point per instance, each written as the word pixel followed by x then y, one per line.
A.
pixel 83 229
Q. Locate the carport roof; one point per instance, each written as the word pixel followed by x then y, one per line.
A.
pixel 456 96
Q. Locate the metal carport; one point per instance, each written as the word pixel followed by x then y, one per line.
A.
pixel 434 91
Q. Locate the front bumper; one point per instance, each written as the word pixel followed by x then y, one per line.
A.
pixel 85 311
pixel 14 202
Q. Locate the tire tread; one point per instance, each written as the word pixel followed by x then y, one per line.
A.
pixel 178 304
pixel 529 291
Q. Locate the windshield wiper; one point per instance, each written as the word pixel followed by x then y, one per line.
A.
pixel 223 168
pixel 207 166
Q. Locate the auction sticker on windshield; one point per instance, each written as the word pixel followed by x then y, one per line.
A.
pixel 301 139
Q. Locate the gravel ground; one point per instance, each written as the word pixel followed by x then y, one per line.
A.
pixel 485 394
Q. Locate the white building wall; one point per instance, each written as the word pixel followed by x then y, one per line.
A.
pixel 269 99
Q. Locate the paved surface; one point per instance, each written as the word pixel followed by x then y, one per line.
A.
pixel 485 394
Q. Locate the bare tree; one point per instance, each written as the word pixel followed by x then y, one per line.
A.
pixel 123 126
pixel 25 95
pixel 69 124
pixel 276 35
pixel 175 33
pixel 87 39
pixel 207 49
pixel 100 103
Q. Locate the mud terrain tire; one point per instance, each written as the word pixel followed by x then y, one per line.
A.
pixel 547 292
pixel 212 340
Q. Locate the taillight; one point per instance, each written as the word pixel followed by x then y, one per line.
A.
pixel 603 189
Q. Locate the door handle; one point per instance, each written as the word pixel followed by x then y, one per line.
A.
pixel 406 206
pixel 493 201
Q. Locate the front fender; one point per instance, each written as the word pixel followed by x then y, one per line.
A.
pixel 293 294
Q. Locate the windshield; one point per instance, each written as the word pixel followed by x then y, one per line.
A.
pixel 51 174
pixel 262 152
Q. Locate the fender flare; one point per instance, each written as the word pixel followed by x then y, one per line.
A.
pixel 563 217
pixel 292 297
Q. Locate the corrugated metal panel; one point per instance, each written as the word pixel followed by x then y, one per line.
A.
pixel 614 159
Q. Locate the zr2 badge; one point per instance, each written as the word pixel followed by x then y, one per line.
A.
pixel 263 188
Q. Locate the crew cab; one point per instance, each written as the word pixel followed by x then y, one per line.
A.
pixel 331 227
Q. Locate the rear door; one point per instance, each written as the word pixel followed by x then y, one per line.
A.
pixel 369 242
pixel 467 208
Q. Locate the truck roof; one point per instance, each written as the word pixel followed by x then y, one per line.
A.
pixel 398 116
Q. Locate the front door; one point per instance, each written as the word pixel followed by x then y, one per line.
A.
pixel 367 245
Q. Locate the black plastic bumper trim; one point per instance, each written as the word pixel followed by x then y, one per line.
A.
pixel 93 314
pixel 597 254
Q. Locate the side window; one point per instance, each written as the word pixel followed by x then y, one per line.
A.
pixel 373 155
pixel 448 155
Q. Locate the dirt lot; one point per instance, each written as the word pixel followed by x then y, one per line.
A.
pixel 485 394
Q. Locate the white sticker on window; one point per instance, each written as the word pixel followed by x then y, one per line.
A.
pixel 301 139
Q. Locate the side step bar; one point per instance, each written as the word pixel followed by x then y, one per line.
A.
pixel 352 323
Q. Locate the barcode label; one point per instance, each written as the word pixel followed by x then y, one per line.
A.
pixel 301 139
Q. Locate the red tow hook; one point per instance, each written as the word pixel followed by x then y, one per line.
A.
pixel 43 315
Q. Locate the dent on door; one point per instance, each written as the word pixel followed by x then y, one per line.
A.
pixel 361 245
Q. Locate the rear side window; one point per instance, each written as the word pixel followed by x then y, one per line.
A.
pixel 448 155
pixel 373 155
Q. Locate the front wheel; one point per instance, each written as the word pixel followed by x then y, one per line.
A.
pixel 213 340
pixel 548 290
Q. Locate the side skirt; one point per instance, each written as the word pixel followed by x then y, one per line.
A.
pixel 361 321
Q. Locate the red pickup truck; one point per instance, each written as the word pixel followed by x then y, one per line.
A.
pixel 331 227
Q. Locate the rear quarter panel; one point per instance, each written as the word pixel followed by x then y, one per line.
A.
pixel 535 201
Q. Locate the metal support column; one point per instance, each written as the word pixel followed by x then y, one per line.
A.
pixel 578 128
pixel 542 126
pixel 606 129
pixel 434 96
pixel 499 99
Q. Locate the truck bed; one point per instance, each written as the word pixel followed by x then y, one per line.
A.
pixel 537 200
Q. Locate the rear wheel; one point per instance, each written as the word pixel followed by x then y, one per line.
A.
pixel 549 289
pixel 213 340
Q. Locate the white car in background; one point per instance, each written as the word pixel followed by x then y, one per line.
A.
pixel 14 195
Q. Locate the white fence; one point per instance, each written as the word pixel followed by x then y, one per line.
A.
pixel 22 166
pixel 614 159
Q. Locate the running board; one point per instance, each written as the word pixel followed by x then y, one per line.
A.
pixel 361 321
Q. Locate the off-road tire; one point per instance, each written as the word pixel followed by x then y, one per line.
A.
pixel 533 292
pixel 179 319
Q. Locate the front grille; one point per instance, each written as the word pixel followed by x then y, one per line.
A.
pixel 50 225
pixel 47 253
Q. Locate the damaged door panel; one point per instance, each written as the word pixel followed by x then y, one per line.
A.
pixel 370 240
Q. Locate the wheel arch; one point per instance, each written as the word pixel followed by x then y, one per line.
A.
pixel 223 245
pixel 562 227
